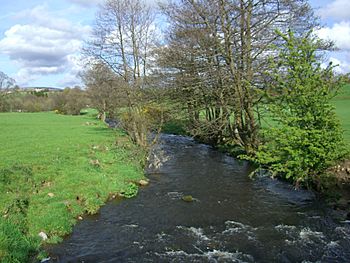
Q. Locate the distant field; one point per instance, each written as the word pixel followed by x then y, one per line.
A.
pixel 54 168
pixel 342 106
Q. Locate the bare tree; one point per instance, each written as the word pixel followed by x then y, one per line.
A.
pixel 105 89
pixel 122 41
pixel 217 50
pixel 6 83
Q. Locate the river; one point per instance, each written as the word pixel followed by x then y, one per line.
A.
pixel 231 219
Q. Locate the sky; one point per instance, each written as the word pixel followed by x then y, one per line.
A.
pixel 40 40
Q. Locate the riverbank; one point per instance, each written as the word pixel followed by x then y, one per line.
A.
pixel 53 170
pixel 231 218
pixel 336 187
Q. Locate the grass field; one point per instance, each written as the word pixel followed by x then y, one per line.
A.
pixel 342 106
pixel 53 169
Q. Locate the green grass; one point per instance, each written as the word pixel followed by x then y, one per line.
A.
pixel 342 106
pixel 54 168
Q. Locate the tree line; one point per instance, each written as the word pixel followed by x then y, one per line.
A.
pixel 226 67
pixel 67 101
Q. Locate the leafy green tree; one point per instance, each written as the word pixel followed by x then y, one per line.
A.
pixel 306 137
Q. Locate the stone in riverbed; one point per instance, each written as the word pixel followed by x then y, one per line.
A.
pixel 187 198
pixel 143 182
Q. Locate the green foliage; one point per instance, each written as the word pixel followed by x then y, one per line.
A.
pixel 41 93
pixel 140 121
pixel 175 126
pixel 307 137
pixel 131 190
pixel 45 187
pixel 14 246
pixel 70 101
pixel 341 103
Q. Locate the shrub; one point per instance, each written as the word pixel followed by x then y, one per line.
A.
pixel 307 137
pixel 131 190
pixel 70 101
pixel 140 122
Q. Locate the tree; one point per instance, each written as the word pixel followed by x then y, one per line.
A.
pixel 217 54
pixel 122 41
pixel 5 84
pixel 70 101
pixel 307 137
pixel 105 89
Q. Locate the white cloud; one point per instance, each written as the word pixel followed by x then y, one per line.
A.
pixel 339 33
pixel 46 45
pixel 86 3
pixel 337 10
pixel 94 3
pixel 23 77
pixel 71 78
pixel 342 66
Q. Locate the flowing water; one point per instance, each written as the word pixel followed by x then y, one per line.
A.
pixel 231 219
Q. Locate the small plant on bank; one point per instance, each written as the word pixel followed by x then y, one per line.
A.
pixel 307 137
pixel 131 190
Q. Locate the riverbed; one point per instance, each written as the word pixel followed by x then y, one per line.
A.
pixel 231 218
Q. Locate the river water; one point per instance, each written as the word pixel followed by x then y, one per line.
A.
pixel 232 218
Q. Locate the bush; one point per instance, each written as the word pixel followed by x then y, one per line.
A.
pixel 139 122
pixel 307 138
pixel 131 190
pixel 70 101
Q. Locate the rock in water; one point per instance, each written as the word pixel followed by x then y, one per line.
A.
pixel 187 198
pixel 143 182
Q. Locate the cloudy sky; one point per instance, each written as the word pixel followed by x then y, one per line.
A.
pixel 40 40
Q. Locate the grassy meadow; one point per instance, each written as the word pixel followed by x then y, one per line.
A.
pixel 342 107
pixel 54 169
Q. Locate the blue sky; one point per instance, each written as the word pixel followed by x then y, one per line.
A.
pixel 40 40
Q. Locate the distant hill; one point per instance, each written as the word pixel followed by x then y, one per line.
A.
pixel 39 89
